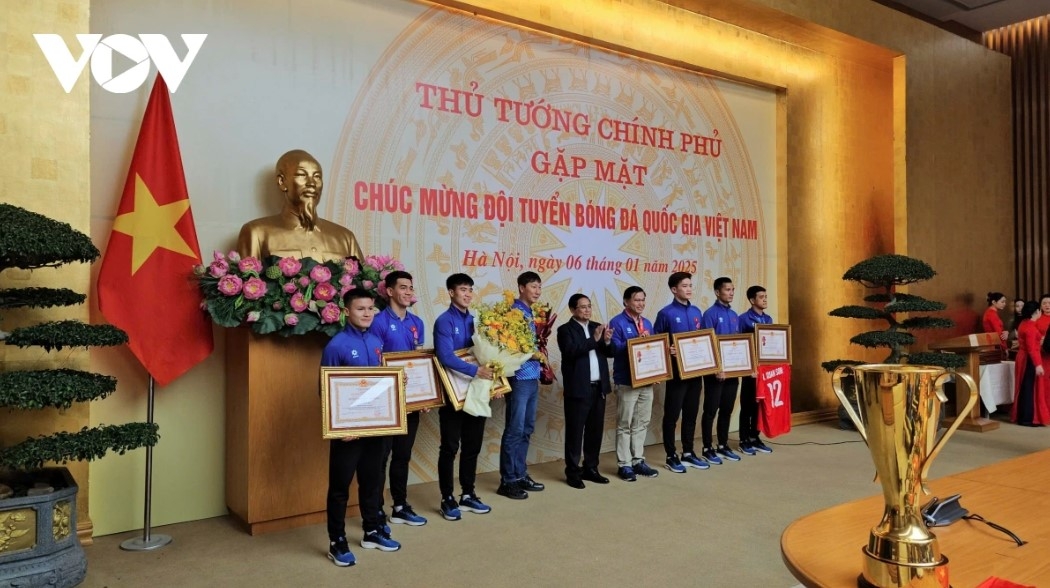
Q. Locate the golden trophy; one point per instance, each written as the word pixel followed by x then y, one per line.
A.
pixel 899 408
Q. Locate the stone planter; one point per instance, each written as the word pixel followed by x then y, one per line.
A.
pixel 38 534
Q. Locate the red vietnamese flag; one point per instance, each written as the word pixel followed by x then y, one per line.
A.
pixel 145 285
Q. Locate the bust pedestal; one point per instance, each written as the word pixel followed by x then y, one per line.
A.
pixel 276 460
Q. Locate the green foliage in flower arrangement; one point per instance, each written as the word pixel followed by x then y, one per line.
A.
pixel 288 296
pixel 32 241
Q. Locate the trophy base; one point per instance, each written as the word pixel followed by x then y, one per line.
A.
pixel 862 583
pixel 884 574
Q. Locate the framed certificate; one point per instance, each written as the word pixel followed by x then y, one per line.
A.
pixel 362 402
pixel 696 353
pixel 456 382
pixel 650 359
pixel 774 343
pixel 423 388
pixel 738 354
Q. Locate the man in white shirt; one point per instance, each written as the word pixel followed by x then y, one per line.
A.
pixel 584 346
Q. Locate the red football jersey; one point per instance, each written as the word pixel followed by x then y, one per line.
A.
pixel 773 391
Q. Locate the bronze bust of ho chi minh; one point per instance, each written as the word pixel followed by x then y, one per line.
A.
pixel 297 231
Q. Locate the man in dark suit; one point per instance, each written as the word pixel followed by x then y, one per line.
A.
pixel 584 346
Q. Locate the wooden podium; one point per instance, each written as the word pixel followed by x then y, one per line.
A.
pixel 972 347
pixel 276 460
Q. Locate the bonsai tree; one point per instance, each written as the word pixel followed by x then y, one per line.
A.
pixel 884 274
pixel 32 241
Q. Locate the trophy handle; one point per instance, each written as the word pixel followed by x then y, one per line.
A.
pixel 961 414
pixel 836 384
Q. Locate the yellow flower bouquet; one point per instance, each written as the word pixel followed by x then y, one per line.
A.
pixel 503 341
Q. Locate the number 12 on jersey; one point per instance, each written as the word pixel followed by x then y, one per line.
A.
pixel 774 399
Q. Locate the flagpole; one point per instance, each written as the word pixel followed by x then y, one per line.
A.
pixel 147 542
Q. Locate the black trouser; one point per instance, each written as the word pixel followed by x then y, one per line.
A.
pixel 345 458
pixel 584 425
pixel 681 397
pixel 400 455
pixel 719 398
pixel 748 409
pixel 1026 397
pixel 457 426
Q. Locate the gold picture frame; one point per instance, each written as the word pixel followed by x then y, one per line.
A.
pixel 696 353
pixel 737 353
pixel 456 383
pixel 423 387
pixel 773 343
pixel 362 402
pixel 649 359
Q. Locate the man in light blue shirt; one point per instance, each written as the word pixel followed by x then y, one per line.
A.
pixel 515 481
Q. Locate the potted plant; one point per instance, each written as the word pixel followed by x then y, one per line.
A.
pixel 884 274
pixel 38 517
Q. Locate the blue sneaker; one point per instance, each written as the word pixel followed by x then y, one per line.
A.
pixel 711 457
pixel 727 453
pixel 450 509
pixel 688 459
pixel 406 516
pixel 747 448
pixel 761 447
pixel 626 474
pixel 471 503
pixel 675 465
pixel 642 469
pixel 379 540
pixel 381 520
pixel 339 553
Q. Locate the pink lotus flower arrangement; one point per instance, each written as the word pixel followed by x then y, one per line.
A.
pixel 371 273
pixel 287 296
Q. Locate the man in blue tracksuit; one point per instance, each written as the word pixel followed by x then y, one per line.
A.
pixel 453 330
pixel 719 391
pixel 400 330
pixel 750 443
pixel 681 397
pixel 356 347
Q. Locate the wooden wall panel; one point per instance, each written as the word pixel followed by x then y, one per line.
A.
pixel 1028 43
pixel 953 174
pixel 897 139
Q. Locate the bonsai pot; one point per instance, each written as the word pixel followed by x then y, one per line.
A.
pixel 38 533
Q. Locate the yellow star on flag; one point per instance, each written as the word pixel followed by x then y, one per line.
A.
pixel 151 226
